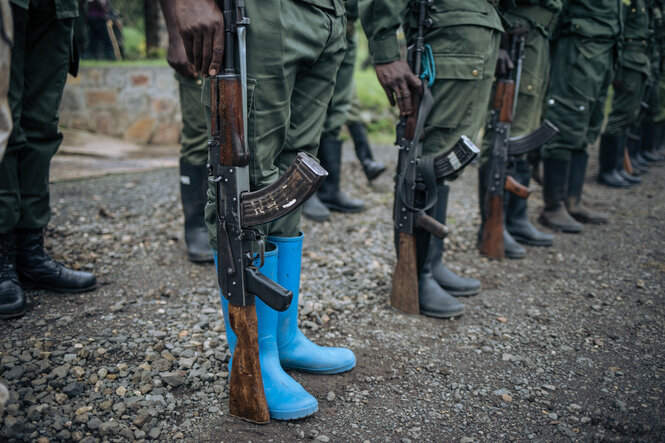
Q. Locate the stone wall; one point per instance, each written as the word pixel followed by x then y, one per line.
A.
pixel 140 103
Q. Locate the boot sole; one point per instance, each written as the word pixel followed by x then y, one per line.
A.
pixel 200 258
pixel 33 285
pixel 614 185
pixel 589 221
pixel 326 371
pixel 544 222
pixel 530 242
pixel 461 293
pixel 14 315
pixel 440 315
pixel 343 209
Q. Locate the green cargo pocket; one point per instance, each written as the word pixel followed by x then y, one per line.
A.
pixel 459 66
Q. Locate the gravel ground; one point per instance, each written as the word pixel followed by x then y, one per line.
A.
pixel 565 345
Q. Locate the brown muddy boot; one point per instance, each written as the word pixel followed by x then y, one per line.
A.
pixel 555 179
pixel 574 203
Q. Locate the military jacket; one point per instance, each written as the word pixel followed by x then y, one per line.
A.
pixel 381 18
pixel 599 19
pixel 334 5
pixel 541 14
pixel 63 8
pixel 637 33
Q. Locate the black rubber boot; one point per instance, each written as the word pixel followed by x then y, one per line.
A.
pixel 634 137
pixel 452 283
pixel 511 248
pixel 314 210
pixel 574 204
pixel 371 168
pixel 12 297
pixel 517 219
pixel 631 147
pixel 555 181
pixel 37 270
pixel 434 300
pixel 621 159
pixel 647 142
pixel 330 194
pixel 193 189
pixel 610 148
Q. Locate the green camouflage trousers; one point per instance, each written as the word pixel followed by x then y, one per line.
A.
pixel 294 50
pixel 582 70
pixel 40 61
pixel 6 37
pixel 194 136
pixel 627 100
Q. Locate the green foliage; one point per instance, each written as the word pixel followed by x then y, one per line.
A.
pixel 134 43
pixel 130 12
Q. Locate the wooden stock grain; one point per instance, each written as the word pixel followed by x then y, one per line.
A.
pixel 491 241
pixel 503 100
pixel 511 185
pixel 627 165
pixel 227 120
pixel 247 399
pixel 404 295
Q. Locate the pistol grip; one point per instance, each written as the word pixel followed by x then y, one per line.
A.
pixel 516 188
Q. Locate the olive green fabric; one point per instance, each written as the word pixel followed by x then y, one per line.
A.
pixel 40 60
pixel 533 83
pixel 6 36
pixel 592 18
pixel 582 70
pixel 294 50
pixel 194 136
pixel 340 105
pixel 63 8
pixel 637 34
pixel 382 18
pixel 334 5
pixel 541 14
pixel 626 100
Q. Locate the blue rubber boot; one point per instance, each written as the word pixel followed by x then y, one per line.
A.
pixel 295 350
pixel 287 400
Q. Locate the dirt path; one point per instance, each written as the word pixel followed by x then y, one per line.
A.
pixel 564 345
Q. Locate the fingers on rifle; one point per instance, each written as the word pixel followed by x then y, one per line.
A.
pixel 188 42
pixel 217 50
pixel 389 93
pixel 197 48
pixel 206 52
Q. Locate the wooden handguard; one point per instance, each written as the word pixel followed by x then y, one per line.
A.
pixel 503 99
pixel 511 185
pixel 293 188
pixel 491 242
pixel 247 399
pixel 227 120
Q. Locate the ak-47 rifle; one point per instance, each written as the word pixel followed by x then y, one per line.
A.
pixel 503 147
pixel 416 182
pixel 239 210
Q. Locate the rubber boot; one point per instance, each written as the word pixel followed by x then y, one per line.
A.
pixel 610 147
pixel 295 350
pixel 36 269
pixel 330 155
pixel 452 283
pixel 314 210
pixel 631 147
pixel 574 204
pixel 193 189
pixel 621 160
pixel 555 180
pixel 647 142
pixel 511 248
pixel 634 136
pixel 12 298
pixel 371 168
pixel 287 400
pixel 517 219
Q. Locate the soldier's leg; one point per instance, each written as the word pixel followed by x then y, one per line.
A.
pixel 330 149
pixel 465 59
pixel 358 131
pixel 193 171
pixel 626 106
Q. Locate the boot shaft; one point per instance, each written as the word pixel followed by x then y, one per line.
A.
pixel 7 256
pixel 330 156
pixel 193 189
pixel 555 182
pixel 360 143
pixel 578 166
pixel 611 148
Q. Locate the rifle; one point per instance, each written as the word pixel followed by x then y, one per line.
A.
pixel 415 184
pixel 238 211
pixel 504 105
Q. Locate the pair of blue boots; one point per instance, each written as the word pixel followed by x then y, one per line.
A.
pixel 281 343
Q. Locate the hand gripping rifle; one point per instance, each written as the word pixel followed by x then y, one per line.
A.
pixel 416 183
pixel 503 147
pixel 238 211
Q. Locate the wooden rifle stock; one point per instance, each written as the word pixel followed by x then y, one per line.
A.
pixel 247 399
pixel 491 242
pixel 503 99
pixel 404 294
pixel 516 188
pixel 227 120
